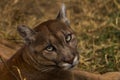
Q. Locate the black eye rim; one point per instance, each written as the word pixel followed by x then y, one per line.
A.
pixel 68 35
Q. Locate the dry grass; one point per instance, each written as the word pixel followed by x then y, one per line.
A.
pixel 96 23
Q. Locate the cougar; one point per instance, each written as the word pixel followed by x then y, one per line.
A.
pixel 50 53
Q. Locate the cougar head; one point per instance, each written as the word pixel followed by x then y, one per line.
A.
pixel 52 43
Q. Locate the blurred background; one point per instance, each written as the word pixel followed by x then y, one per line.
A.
pixel 95 22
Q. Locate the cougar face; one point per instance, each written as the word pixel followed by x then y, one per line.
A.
pixel 52 43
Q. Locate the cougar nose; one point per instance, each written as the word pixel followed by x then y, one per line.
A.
pixel 68 60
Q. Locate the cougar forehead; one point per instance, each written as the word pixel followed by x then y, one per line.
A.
pixel 52 26
pixel 51 31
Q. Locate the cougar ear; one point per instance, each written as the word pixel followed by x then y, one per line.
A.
pixel 62 15
pixel 26 33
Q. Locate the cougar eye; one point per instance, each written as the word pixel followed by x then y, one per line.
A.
pixel 68 37
pixel 50 48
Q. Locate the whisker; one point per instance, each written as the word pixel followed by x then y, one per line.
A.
pixel 46 69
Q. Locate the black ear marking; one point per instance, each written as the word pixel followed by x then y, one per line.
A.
pixel 26 33
pixel 62 15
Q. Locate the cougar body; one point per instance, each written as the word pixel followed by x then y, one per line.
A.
pixel 50 53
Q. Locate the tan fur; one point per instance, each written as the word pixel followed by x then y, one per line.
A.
pixel 7 49
pixel 50 53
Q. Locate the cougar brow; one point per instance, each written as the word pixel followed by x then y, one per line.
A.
pixel 55 36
